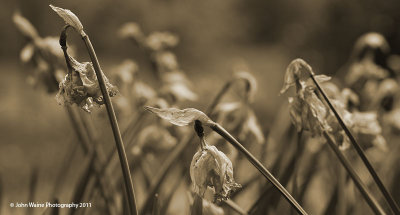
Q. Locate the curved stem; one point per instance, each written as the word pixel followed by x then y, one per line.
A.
pixel 225 134
pixel 114 125
pixel 357 181
pixel 176 152
pixel 388 197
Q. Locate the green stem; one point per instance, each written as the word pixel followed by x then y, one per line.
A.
pixel 225 134
pixel 357 181
pixel 114 125
pixel 388 197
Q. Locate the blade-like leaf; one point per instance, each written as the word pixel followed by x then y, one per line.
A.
pixel 69 18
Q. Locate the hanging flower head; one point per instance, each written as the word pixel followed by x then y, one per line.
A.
pixel 80 86
pixel 211 168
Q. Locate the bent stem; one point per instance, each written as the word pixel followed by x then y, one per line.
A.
pixel 388 197
pixel 177 151
pixel 227 136
pixel 357 181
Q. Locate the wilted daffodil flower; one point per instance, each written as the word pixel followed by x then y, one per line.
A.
pixel 80 86
pixel 43 53
pixel 212 168
pixel 209 167
pixel 154 138
pixel 132 30
pixel 157 41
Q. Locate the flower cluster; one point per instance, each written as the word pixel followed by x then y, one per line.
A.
pixel 175 86
pixel 308 111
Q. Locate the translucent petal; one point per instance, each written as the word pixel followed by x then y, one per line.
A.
pixel 180 117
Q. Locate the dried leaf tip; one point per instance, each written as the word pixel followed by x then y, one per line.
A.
pixel 181 117
pixel 69 18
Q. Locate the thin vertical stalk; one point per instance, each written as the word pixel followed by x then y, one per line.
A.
pixel 114 126
pixel 357 181
pixel 388 197
pixel 221 131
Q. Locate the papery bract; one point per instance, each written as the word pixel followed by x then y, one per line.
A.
pixel 180 117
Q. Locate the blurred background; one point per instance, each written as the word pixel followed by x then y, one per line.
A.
pixel 266 35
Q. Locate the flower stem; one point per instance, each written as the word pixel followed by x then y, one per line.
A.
pixel 388 197
pixel 114 125
pixel 357 181
pixel 176 152
pixel 225 134
pixel 231 204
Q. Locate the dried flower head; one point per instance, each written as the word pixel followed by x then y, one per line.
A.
pixel 166 61
pixel 157 41
pixel 368 129
pixel 80 86
pixel 365 70
pixel 211 168
pixel 238 116
pixel 154 138
pixel 370 42
pixel 132 30
pixel 250 84
pixel 124 73
pixel 177 86
pixel 180 117
pixel 298 74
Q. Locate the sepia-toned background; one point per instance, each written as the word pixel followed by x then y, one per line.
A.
pixel 214 36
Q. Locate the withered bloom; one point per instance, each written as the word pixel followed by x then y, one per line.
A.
pixel 80 86
pixel 212 168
